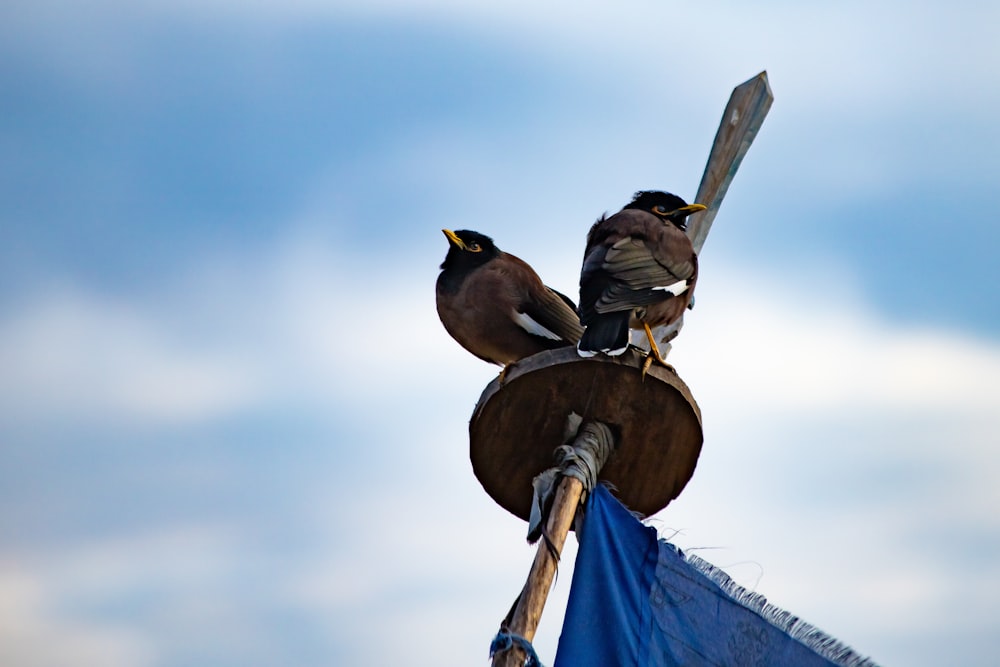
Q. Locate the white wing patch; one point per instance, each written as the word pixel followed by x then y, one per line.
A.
pixel 587 354
pixel 531 326
pixel 676 289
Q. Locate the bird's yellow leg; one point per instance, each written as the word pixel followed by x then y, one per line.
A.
pixel 653 354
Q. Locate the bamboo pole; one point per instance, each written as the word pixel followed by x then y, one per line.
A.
pixel 529 608
pixel 580 461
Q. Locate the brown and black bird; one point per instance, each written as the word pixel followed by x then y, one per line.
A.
pixel 639 272
pixel 496 306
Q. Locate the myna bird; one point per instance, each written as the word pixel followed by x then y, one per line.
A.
pixel 496 306
pixel 639 271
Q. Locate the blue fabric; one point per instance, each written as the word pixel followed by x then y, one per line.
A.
pixel 636 601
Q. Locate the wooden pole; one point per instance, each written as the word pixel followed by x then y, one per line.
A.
pixel 583 460
pixel 748 105
pixel 536 590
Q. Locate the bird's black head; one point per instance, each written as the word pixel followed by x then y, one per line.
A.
pixel 468 249
pixel 664 205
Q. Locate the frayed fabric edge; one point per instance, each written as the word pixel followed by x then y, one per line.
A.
pixel 828 647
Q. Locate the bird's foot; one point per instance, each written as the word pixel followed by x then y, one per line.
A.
pixel 502 378
pixel 648 362
pixel 653 355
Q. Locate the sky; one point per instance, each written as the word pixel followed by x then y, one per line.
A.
pixel 234 432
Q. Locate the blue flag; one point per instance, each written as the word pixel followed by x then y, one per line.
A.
pixel 639 601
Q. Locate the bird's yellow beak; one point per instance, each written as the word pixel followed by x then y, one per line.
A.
pixel 686 210
pixel 453 239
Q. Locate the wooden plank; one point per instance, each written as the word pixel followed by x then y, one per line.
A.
pixel 748 106
pixel 516 427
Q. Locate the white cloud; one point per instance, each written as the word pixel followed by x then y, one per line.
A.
pixel 774 349
pixel 294 325
pixel 34 634
pixel 186 589
pixel 850 460
pixel 852 58
pixel 83 356
pixel 836 441
pixel 774 367
pixel 849 467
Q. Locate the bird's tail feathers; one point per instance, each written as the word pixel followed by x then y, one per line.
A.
pixel 607 333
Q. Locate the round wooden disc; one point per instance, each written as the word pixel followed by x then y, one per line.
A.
pixel 516 427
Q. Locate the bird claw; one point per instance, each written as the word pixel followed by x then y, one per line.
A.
pixel 653 355
pixel 648 362
pixel 502 378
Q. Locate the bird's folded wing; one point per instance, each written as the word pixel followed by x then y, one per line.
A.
pixel 631 261
pixel 552 311
pixel 618 297
pixel 628 276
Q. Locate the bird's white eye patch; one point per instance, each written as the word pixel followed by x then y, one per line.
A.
pixel 526 322
pixel 676 289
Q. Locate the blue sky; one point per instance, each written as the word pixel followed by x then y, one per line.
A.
pixel 234 432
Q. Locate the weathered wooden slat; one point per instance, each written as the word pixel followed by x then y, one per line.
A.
pixel 748 106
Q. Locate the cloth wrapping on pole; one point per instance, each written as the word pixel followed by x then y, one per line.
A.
pixel 639 601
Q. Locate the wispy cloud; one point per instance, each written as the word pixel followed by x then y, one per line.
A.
pixel 235 431
pixel 85 357
pixel 804 399
pixel 35 633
